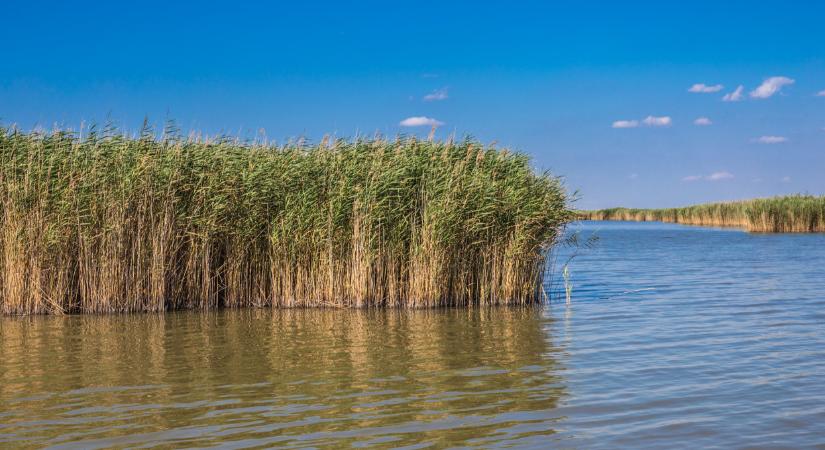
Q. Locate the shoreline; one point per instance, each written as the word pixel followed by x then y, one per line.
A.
pixel 783 214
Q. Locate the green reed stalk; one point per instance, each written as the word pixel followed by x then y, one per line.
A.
pixel 108 223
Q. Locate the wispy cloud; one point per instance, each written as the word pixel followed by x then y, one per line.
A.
pixel 652 121
pixel 436 95
pixel 770 86
pixel 420 121
pixel 626 124
pixel 770 139
pixel 702 122
pixel 633 176
pixel 821 93
pixel 715 176
pixel 702 88
pixel 786 179
pixel 718 176
pixel 734 96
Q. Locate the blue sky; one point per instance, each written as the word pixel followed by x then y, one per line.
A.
pixel 571 83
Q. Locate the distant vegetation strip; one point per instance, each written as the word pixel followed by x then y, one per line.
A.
pixel 787 214
pixel 109 223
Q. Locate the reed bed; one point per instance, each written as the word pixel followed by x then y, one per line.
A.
pixel 787 214
pixel 110 223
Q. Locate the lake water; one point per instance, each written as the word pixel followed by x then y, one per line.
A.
pixel 674 337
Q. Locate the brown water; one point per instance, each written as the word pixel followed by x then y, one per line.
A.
pixel 675 337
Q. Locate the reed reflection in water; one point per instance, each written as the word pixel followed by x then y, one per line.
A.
pixel 288 377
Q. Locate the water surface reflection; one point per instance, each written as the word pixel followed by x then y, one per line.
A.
pixel 288 377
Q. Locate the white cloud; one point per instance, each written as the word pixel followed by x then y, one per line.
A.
pixel 702 88
pixel 770 139
pixel 770 86
pixel 663 121
pixel 821 93
pixel 650 121
pixel 734 96
pixel 715 176
pixel 702 121
pixel 786 179
pixel 718 176
pixel 420 121
pixel 633 176
pixel 436 95
pixel 626 124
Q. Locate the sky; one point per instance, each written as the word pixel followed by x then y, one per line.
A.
pixel 634 103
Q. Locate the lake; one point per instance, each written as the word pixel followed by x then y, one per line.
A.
pixel 674 337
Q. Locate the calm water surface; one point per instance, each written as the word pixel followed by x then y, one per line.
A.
pixel 675 337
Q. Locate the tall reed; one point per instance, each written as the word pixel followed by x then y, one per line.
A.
pixel 788 214
pixel 108 223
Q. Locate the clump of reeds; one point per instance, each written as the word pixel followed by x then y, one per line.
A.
pixel 787 214
pixel 108 223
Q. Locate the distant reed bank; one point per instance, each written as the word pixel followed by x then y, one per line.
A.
pixel 109 223
pixel 788 214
